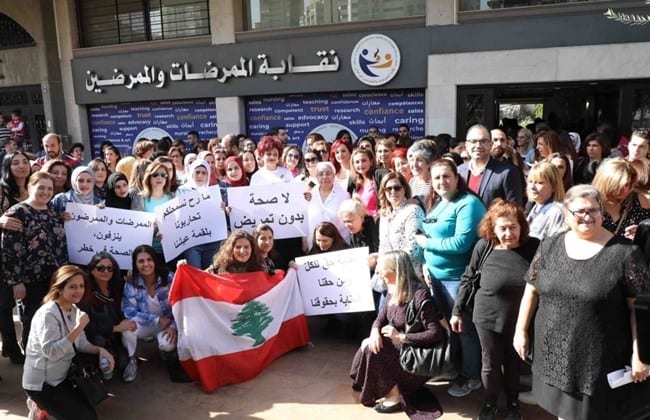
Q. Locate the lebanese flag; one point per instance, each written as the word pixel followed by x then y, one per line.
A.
pixel 231 326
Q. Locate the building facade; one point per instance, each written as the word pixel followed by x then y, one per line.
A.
pixel 125 69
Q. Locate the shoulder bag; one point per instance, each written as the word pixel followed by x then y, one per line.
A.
pixel 424 361
pixel 475 279
pixel 85 376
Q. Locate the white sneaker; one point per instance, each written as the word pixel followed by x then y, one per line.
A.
pixel 461 390
pixel 528 398
pixel 445 377
pixel 131 370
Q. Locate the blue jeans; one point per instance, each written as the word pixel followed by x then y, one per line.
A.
pixel 465 347
pixel 200 256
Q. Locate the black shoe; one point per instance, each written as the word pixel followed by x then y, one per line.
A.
pixel 13 352
pixel 488 412
pixel 176 372
pixel 380 407
pixel 513 412
pixel 357 387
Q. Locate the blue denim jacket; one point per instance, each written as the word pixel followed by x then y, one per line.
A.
pixel 134 301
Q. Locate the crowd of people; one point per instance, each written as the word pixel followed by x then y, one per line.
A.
pixel 546 220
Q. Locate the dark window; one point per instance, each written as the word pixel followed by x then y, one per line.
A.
pixel 12 35
pixel 106 22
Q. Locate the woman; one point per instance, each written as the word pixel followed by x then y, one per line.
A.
pixel 271 172
pixel 238 254
pixel 145 301
pixel 327 239
pixel 59 328
pixel 308 175
pixel 248 145
pixel 376 371
pixel 127 167
pixel 383 150
pixel 250 163
pixel 189 159
pixel 60 171
pixel 156 190
pixel 167 162
pixel 549 142
pixel 365 178
pixel 365 143
pixel 596 149
pixel 363 229
pixel 31 254
pixel 112 156
pixel 117 194
pixel 102 302
pixel 497 301
pixel 622 210
pixel 340 153
pixel 235 173
pixel 420 157
pixel 13 189
pixel 82 191
pixel 582 284
pixel 219 164
pixel 292 160
pixel 399 220
pixel 102 172
pixel 209 158
pixel 399 163
pixel 563 165
pixel 176 155
pixel 269 256
pixel 325 200
pixel 545 192
pixel 449 234
pixel 345 136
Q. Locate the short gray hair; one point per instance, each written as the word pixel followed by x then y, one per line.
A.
pixel 426 149
pixel 582 191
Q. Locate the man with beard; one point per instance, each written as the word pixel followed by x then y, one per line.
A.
pixel 53 148
pixel 501 150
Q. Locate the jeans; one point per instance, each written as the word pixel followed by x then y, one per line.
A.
pixel 200 256
pixel 465 347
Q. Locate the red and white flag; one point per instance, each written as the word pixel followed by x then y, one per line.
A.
pixel 231 326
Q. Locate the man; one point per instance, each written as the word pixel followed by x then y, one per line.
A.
pixel 54 150
pixel 193 141
pixel 499 141
pixel 639 145
pixel 373 132
pixel 281 133
pixel 230 144
pixel 404 136
pixel 488 177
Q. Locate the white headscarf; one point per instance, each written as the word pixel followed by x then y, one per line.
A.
pixel 190 174
pixel 77 197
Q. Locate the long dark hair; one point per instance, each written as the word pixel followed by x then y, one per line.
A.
pixel 161 271
pixel 8 181
pixel 114 284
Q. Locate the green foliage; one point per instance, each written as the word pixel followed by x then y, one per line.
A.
pixel 251 321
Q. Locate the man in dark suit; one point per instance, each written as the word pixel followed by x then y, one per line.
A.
pixel 486 176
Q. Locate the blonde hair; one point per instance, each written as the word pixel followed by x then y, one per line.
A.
pixel 612 176
pixel 406 281
pixel 546 171
pixel 60 278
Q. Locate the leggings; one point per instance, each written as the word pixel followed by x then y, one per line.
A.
pixel 497 352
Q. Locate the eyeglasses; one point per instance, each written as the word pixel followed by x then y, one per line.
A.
pixel 393 188
pixel 320 151
pixel 104 268
pixel 477 141
pixel 584 212
pixel 158 174
pixel 312 160
pixel 293 155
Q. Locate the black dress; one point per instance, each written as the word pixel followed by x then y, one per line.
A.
pixel 582 328
pixel 376 374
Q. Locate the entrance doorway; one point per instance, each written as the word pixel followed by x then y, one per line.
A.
pixel 29 101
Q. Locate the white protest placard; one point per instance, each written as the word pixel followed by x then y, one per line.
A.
pixel 335 282
pixel 92 229
pixel 281 206
pixel 190 219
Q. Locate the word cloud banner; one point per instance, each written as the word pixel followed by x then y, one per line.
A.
pixel 190 219
pixel 335 282
pixel 281 206
pixel 92 229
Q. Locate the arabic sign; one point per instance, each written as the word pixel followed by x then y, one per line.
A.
pixel 326 114
pixel 315 63
pixel 191 219
pixel 335 282
pixel 282 206
pixel 92 229
pixel 124 123
pixel 375 60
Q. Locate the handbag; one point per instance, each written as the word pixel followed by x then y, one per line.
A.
pixel 475 279
pixel 424 361
pixel 85 376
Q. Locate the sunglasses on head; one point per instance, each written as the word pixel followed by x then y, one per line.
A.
pixel 104 268
pixel 158 174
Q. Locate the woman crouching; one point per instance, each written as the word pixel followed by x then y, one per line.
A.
pixel 376 370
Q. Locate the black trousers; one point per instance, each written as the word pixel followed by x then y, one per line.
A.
pixel 7 327
pixel 33 299
pixel 497 353
pixel 63 402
